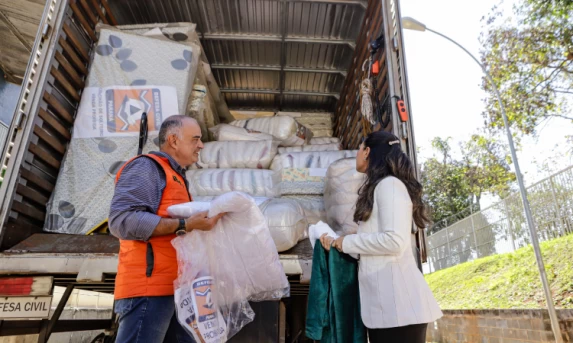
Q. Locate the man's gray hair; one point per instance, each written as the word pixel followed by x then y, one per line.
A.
pixel 172 126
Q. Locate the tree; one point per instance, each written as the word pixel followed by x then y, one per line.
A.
pixel 445 190
pixel 453 185
pixel 530 58
pixel 487 168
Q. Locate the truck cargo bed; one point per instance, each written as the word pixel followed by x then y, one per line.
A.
pixel 92 260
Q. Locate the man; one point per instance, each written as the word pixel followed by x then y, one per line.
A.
pixel 145 187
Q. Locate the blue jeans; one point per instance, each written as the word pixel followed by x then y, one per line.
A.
pixel 149 320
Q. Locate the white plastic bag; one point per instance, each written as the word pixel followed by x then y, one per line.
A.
pixel 226 132
pixel 237 154
pixel 313 206
pixel 212 182
pixel 341 193
pixel 286 129
pixel 222 269
pixel 286 221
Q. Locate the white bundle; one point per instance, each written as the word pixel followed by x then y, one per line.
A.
pixel 324 140
pixel 226 132
pixel 286 129
pixel 313 206
pixel 237 154
pixel 310 147
pixel 341 193
pixel 322 159
pixel 210 182
pixel 286 221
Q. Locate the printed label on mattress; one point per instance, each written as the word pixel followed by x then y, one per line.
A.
pixel 116 111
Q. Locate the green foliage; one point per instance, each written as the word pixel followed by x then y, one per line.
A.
pixel 530 58
pixel 452 185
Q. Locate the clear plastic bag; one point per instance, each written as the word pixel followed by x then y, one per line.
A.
pixel 222 269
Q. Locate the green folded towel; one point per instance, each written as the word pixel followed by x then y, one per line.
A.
pixel 333 314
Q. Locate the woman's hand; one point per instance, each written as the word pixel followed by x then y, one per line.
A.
pixel 338 243
pixel 326 241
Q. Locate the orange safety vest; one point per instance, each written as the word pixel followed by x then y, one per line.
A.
pixel 148 269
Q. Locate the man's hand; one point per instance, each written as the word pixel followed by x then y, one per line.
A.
pixel 201 221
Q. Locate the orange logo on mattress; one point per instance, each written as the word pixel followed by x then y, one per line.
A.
pixel 124 108
pixel 204 300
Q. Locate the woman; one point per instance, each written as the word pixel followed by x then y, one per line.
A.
pixel 396 303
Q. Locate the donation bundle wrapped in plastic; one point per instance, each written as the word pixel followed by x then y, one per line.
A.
pixel 310 147
pixel 212 182
pixel 286 221
pixel 341 193
pixel 313 206
pixel 226 132
pixel 222 269
pixel 286 129
pixel 238 154
pixel 130 74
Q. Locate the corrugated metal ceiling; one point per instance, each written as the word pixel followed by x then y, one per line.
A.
pixel 280 54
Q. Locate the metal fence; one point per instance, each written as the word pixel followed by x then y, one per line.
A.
pixel 502 227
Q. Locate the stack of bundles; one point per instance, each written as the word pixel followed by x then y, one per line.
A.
pixel 130 74
pixel 240 161
pixel 340 195
pixel 302 173
pixel 320 123
pixel 302 176
pixel 206 103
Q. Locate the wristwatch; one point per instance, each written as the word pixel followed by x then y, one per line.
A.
pixel 181 230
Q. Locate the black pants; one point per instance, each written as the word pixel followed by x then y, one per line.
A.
pixel 403 334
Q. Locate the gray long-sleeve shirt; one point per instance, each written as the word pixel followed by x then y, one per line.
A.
pixel 137 196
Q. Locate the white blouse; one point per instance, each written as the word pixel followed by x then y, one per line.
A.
pixel 393 291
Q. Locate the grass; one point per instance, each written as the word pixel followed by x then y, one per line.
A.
pixel 507 280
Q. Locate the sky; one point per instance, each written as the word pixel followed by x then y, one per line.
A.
pixel 444 82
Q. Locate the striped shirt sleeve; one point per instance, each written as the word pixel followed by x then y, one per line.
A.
pixel 136 200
